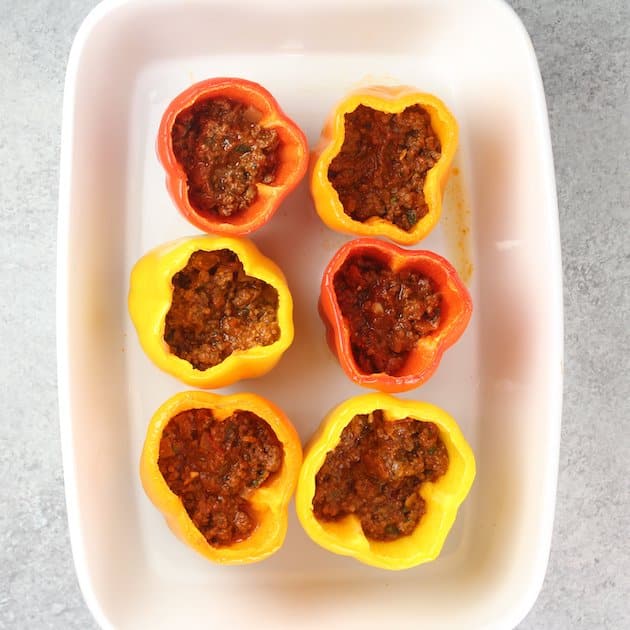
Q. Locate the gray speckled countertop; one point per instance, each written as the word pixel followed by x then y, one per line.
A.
pixel 584 54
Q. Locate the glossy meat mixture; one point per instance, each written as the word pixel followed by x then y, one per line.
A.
pixel 382 165
pixel 213 466
pixel 376 471
pixel 224 153
pixel 216 309
pixel 387 312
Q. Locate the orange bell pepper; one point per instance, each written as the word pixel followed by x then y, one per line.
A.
pixel 293 155
pixel 442 497
pixel 391 100
pixel 150 295
pixel 269 502
pixel 423 360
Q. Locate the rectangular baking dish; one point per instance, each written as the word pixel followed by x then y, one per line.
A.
pixel 502 381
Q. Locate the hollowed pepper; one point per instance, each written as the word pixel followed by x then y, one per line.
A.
pixel 390 100
pixel 292 156
pixel 269 502
pixel 422 361
pixel 150 296
pixel 442 497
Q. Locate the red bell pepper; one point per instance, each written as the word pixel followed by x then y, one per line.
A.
pixel 292 156
pixel 422 361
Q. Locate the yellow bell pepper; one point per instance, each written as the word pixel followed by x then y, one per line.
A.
pixel 150 295
pixel 443 497
pixel 391 100
pixel 269 502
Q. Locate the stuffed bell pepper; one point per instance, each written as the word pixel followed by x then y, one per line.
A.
pixel 230 154
pixel 222 470
pixel 391 313
pixel 383 479
pixel 382 163
pixel 211 310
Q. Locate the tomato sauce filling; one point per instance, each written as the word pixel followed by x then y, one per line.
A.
pixel 383 162
pixel 225 153
pixel 386 311
pixel 214 466
pixel 376 471
pixel 217 308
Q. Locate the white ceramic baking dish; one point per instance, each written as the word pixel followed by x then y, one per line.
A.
pixel 502 381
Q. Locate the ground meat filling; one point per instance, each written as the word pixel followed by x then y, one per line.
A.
pixel 382 165
pixel 375 472
pixel 216 309
pixel 386 311
pixel 213 467
pixel 224 153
